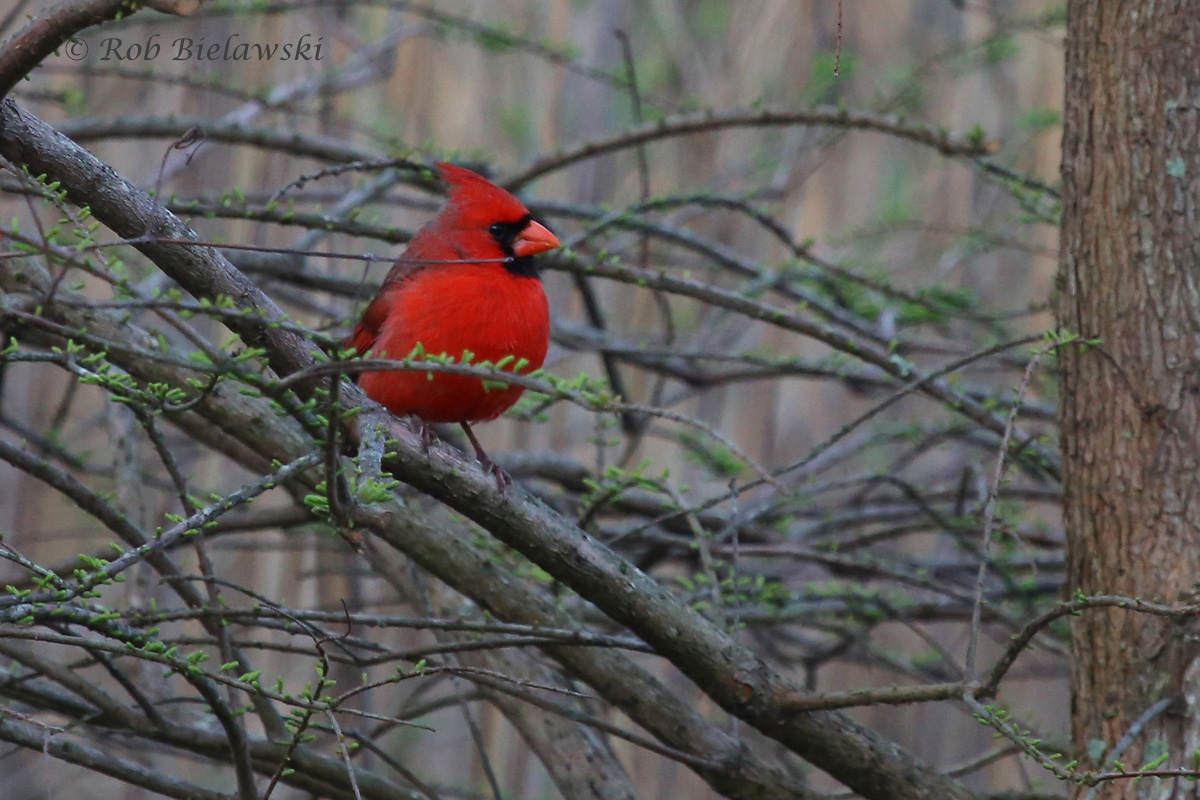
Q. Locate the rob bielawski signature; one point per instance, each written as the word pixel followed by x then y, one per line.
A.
pixel 185 48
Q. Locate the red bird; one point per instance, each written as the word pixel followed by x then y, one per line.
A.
pixel 493 307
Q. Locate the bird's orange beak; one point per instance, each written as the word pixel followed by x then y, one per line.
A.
pixel 536 238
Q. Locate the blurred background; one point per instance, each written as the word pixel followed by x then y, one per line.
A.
pixel 936 256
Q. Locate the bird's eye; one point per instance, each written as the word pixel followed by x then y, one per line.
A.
pixel 497 229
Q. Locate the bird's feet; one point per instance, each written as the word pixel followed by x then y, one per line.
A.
pixel 428 435
pixel 503 479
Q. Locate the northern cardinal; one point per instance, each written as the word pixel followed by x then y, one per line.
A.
pixel 492 308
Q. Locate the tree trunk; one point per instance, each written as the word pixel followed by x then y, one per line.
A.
pixel 1130 277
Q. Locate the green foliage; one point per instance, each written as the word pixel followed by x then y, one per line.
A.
pixel 895 196
pixel 719 460
pixel 1037 120
pixel 823 86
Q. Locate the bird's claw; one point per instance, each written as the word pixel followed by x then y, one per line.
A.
pixel 503 479
pixel 428 436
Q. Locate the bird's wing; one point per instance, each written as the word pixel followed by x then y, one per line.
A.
pixel 426 245
pixel 367 330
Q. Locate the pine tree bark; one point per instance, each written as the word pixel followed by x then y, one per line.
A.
pixel 1130 407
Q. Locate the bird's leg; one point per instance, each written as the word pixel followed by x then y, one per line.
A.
pixel 503 479
pixel 428 434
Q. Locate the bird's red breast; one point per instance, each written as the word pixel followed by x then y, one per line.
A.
pixel 491 307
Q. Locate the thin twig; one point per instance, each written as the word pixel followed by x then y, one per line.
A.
pixel 989 513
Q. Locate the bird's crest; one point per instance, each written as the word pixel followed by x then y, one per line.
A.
pixel 475 200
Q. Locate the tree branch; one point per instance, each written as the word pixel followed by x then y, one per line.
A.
pixel 707 121
pixel 26 48
pixel 729 672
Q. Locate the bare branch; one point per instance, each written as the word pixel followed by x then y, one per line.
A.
pixel 705 121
